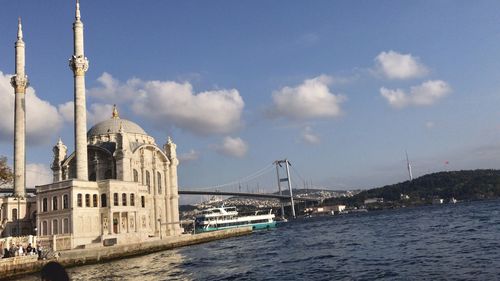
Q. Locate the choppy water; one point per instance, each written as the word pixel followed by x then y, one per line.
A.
pixel 443 242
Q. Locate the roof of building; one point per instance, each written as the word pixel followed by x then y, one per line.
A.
pixel 112 126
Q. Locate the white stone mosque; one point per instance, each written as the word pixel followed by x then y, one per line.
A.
pixel 117 187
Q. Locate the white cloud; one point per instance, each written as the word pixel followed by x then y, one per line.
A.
pixel 42 119
pixel 309 137
pixel 168 103
pixel 394 65
pixel 234 147
pixel 309 100
pixel 428 93
pixel 191 155
pixel 96 112
pixel 37 174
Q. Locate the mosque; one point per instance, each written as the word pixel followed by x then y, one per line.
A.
pixel 117 187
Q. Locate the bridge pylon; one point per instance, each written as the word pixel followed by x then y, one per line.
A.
pixel 287 179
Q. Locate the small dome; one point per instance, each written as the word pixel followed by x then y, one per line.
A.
pixel 112 126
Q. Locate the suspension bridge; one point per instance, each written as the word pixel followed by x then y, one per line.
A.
pixel 265 183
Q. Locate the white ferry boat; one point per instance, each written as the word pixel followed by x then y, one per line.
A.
pixel 227 217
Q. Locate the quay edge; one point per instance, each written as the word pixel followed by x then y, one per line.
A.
pixel 25 265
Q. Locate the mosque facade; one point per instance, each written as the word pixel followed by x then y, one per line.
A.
pixel 118 186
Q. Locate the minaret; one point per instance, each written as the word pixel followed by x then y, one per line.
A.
pixel 79 64
pixel 20 83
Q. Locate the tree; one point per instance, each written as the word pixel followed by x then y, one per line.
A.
pixel 6 175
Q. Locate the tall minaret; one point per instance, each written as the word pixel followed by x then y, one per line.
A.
pixel 20 83
pixel 79 64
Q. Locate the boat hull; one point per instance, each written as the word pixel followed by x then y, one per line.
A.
pixel 255 226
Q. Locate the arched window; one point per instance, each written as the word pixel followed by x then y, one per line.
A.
pixel 44 205
pixel 65 226
pixel 87 200
pixel 65 201
pixel 54 227
pixel 79 200
pixel 124 199
pixel 44 228
pixel 14 214
pixel 148 181
pixel 159 182
pixel 115 199
pixel 94 200
pixel 104 201
pixel 54 203
pixel 136 176
pixel 132 199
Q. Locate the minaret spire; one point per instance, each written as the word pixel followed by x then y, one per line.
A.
pixel 77 12
pixel 19 29
pixel 20 82
pixel 79 64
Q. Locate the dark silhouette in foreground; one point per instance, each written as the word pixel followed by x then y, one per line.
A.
pixel 54 271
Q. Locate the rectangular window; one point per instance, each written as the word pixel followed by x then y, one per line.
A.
pixel 132 199
pixel 79 200
pixel 115 199
pixel 44 205
pixel 124 199
pixel 87 200
pixel 54 203
pixel 65 201
pixel 143 202
pixel 94 200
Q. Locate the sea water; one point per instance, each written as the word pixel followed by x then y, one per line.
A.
pixel 440 242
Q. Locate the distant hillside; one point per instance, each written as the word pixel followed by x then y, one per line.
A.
pixel 461 185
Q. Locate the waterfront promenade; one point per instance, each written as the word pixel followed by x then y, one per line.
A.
pixel 29 264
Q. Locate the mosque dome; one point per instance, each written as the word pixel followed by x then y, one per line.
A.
pixel 112 126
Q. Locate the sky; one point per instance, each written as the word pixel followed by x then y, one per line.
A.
pixel 340 88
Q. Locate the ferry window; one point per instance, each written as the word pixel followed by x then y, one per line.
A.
pixel 65 201
pixel 87 200
pixel 94 200
pixel 136 176
pixel 79 200
pixel 115 199
pixel 143 202
pixel 44 205
pixel 159 182
pixel 124 199
pixel 104 200
pixel 54 203
pixel 132 199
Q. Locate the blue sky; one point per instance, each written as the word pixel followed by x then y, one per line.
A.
pixel 341 88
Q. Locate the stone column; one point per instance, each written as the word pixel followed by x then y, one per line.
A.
pixel 20 83
pixel 79 64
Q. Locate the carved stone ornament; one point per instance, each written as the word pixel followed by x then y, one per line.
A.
pixel 19 82
pixel 79 65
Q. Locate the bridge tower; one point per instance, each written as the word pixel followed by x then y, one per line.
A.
pixel 287 179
